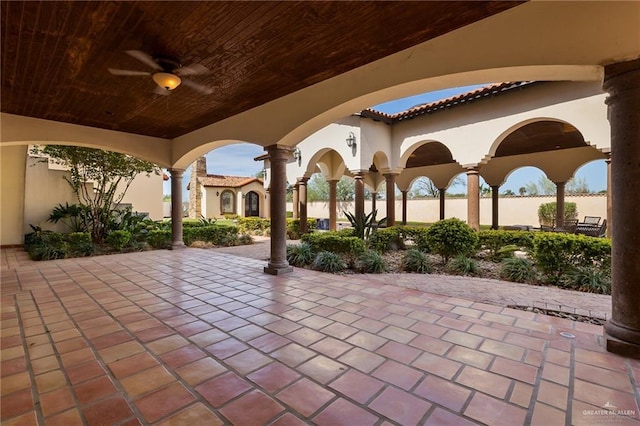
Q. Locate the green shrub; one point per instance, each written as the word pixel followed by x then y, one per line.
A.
pixel 345 232
pixel 557 254
pixel 415 260
pixel 419 236
pixel 159 238
pixel 45 245
pixel 588 278
pixel 517 269
pixel 293 227
pixel 334 242
pixel 326 261
pixel 495 240
pixel 80 244
pixel 451 237
pixel 300 254
pixel 230 216
pixel 462 265
pixel 206 221
pixel 371 262
pixel 220 235
pixel 190 223
pixel 386 239
pixel 547 212
pixel 118 239
pixel 253 225
pixel 245 240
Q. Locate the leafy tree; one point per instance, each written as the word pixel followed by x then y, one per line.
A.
pixel 110 173
pixel 318 189
pixel 577 186
pixel 522 191
pixel 424 187
pixel 545 186
pixel 509 192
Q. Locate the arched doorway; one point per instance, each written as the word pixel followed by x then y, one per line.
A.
pixel 252 204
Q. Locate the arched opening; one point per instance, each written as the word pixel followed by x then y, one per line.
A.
pixel 252 204
pixel 540 136
pixel 228 202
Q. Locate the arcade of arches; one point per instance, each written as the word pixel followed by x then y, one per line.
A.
pixel 295 98
pixel 567 128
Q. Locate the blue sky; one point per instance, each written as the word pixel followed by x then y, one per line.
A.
pixel 237 159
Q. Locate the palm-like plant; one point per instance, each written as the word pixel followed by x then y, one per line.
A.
pixel 74 216
pixel 364 225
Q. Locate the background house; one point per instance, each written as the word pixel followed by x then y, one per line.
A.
pixel 217 195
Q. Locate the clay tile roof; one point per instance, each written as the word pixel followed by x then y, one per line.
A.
pixel 453 101
pixel 227 181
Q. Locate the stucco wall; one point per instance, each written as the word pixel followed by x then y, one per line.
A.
pixel 211 199
pixel 46 188
pixel 12 174
pixel 513 210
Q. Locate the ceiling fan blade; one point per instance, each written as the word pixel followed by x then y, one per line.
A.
pixel 145 58
pixel 198 87
pixel 193 69
pixel 116 71
pixel 161 91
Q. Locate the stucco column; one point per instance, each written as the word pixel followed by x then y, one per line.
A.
pixel 473 198
pixel 240 211
pixel 374 195
pixel 494 206
pixel 442 192
pixel 267 203
pixel 609 205
pixel 333 205
pixel 404 207
pixel 296 201
pixel 278 155
pixel 359 208
pixel 176 208
pixel 302 196
pixel 390 180
pixel 559 203
pixel 622 331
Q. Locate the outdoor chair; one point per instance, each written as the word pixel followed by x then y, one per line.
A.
pixel 592 220
pixel 593 230
pixel 568 226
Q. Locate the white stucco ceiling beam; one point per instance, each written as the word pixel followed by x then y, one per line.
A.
pixel 20 130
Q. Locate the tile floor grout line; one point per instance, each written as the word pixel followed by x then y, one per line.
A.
pixel 28 361
pixel 117 382
pixel 95 352
pixel 222 361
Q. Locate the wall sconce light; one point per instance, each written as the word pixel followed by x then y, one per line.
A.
pixel 217 193
pixel 297 155
pixel 351 142
pixel 264 174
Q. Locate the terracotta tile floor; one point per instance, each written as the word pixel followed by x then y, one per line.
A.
pixel 195 337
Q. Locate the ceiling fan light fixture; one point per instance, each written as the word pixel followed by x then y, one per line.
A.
pixel 167 80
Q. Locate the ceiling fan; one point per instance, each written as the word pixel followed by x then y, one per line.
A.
pixel 167 74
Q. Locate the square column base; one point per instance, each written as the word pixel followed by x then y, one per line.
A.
pixel 278 271
pixel 620 347
pixel 178 246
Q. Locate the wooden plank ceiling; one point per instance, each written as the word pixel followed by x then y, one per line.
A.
pixel 55 54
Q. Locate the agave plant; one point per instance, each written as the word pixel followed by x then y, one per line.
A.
pixel 364 225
